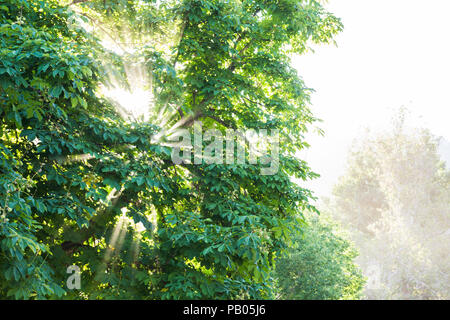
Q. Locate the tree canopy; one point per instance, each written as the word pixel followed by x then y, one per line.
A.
pixel 77 176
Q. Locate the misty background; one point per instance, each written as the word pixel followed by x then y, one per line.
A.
pixel 382 93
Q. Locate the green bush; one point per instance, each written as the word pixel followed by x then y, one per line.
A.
pixel 319 266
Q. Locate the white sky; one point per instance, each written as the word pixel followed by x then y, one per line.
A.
pixel 391 53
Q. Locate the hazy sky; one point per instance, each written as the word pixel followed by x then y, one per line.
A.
pixel 391 53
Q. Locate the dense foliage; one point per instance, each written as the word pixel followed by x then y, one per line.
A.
pixel 320 265
pixel 76 177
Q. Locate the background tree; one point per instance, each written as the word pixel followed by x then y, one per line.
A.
pixel 395 198
pixel 77 176
pixel 319 266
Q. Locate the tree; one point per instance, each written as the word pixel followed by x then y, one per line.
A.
pixel 320 265
pixel 395 199
pixel 77 177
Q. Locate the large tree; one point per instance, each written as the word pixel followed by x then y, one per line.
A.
pixel 77 174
